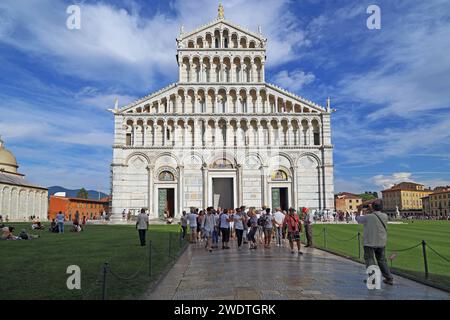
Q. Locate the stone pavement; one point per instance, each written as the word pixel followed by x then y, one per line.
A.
pixel 275 273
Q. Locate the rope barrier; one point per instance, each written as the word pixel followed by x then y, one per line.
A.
pixel 401 250
pixel 438 254
pixel 134 275
pixel 352 238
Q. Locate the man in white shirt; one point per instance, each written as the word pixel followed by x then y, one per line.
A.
pixel 142 226
pixel 192 218
pixel 278 222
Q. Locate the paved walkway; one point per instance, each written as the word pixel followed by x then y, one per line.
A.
pixel 271 274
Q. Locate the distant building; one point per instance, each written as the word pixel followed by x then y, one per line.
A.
pixel 406 197
pixel 89 208
pixel 19 199
pixel 347 202
pixel 438 202
pixel 426 208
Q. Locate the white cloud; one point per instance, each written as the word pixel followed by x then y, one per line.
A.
pixel 128 48
pixel 293 80
pixel 410 68
pixel 387 181
pixel 348 185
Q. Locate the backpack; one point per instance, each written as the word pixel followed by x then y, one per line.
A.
pixel 262 221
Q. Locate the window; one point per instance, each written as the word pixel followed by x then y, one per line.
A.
pixel 128 139
pixel 166 176
pixel 221 164
pixel 279 175
pixel 316 139
pixel 351 207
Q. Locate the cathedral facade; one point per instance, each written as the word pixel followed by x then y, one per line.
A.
pixel 221 136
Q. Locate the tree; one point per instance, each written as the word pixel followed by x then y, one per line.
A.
pixel 82 193
pixel 368 196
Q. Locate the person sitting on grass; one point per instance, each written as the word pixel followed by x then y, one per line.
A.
pixel 53 227
pixel 76 226
pixel 25 236
pixel 7 233
pixel 37 226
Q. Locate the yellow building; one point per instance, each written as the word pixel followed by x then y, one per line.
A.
pixel 406 197
pixel 347 202
pixel 439 202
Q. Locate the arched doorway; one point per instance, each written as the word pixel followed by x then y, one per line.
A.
pixel 280 189
pixel 222 182
pixel 165 189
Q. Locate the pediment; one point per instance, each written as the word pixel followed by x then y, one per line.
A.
pixel 221 25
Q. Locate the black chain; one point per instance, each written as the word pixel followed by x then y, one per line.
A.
pixel 134 275
pixel 439 255
pixel 401 250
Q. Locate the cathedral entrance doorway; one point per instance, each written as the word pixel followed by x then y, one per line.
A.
pixel 166 202
pixel 223 192
pixel 280 198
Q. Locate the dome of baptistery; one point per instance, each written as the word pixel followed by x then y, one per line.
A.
pixel 8 161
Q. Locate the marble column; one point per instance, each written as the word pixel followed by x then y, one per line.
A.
pixel 180 170
pixel 294 187
pixel 205 185
pixel 150 191
pixel 240 191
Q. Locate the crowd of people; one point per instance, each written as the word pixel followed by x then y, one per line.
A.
pixel 56 226
pixel 8 234
pixel 247 225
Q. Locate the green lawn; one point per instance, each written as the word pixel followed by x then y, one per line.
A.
pixel 36 269
pixel 435 233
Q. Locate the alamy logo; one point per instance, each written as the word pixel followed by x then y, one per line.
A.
pixel 374 20
pixel 74 280
pixel 74 20
pixel 374 279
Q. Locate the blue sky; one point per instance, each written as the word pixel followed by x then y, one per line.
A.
pixel 391 87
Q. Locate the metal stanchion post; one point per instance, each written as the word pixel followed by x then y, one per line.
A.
pixel 105 271
pixel 425 261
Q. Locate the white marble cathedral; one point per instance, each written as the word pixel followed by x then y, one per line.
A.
pixel 221 135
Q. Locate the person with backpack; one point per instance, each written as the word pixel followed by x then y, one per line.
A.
pixel 293 224
pixel 224 225
pixel 207 225
pixel 267 228
pixel 375 238
pixel 192 218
